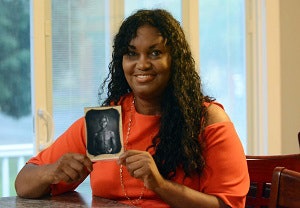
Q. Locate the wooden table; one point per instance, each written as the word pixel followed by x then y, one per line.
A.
pixel 67 200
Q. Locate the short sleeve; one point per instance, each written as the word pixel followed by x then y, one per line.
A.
pixel 71 141
pixel 226 173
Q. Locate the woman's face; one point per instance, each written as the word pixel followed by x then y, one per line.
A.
pixel 147 65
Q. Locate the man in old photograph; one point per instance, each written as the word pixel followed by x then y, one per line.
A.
pixel 103 136
pixel 104 139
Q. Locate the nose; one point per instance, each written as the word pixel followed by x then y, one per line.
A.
pixel 143 63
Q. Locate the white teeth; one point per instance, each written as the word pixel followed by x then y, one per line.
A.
pixel 143 75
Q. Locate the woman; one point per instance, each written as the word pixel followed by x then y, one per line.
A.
pixel 181 148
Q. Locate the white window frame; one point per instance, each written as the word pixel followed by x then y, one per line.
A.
pixel 263 77
pixel 256 80
pixel 41 70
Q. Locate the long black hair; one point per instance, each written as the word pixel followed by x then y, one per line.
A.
pixel 183 115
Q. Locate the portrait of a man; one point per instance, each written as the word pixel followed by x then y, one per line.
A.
pixel 103 132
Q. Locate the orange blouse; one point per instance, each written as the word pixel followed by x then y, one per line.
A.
pixel 225 174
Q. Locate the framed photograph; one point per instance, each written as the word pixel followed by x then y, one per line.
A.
pixel 104 133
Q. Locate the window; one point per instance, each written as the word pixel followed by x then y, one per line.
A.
pixel 223 57
pixel 132 5
pixel 78 58
pixel 16 129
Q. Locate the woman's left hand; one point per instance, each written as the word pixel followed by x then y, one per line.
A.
pixel 140 164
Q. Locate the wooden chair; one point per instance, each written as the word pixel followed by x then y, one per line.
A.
pixel 260 171
pixel 285 190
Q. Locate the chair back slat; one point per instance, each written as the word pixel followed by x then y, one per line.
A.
pixel 260 171
pixel 285 191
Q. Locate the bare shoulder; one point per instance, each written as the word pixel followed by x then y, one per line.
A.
pixel 216 114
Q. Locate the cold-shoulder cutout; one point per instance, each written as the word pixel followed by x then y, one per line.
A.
pixel 216 114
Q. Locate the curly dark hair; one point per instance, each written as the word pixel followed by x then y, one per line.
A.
pixel 183 115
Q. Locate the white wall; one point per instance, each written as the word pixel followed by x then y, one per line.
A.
pixel 283 71
pixel 290 74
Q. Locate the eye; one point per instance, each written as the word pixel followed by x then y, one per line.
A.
pixel 131 53
pixel 156 53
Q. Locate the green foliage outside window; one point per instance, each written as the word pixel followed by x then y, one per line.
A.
pixel 15 95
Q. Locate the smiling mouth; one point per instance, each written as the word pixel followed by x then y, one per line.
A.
pixel 144 77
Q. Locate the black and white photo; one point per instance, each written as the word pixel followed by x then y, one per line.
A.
pixel 104 134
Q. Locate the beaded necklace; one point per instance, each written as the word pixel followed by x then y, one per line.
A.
pixel 132 201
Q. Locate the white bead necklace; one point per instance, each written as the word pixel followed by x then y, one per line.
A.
pixel 132 201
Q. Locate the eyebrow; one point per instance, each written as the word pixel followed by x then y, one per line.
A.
pixel 151 47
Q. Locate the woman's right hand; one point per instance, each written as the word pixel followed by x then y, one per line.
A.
pixel 34 181
pixel 70 168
